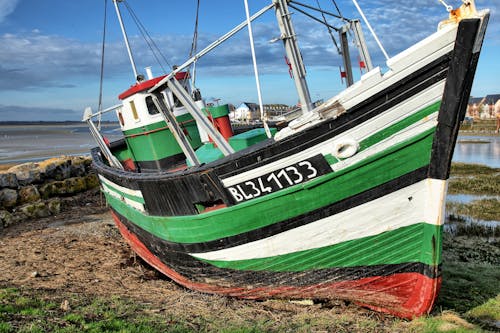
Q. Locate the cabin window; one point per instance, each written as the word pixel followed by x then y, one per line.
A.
pixel 120 118
pixel 134 110
pixel 151 106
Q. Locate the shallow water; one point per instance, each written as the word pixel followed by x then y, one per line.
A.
pixel 478 150
pixel 468 198
pixel 24 143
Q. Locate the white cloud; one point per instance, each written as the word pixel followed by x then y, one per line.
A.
pixel 34 60
pixel 6 8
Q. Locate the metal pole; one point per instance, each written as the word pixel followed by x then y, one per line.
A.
pixel 293 53
pixel 256 72
pixel 360 42
pixel 125 38
pixel 87 117
pixel 346 56
pixel 176 130
pixel 200 118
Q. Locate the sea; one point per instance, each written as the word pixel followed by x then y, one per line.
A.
pixel 35 142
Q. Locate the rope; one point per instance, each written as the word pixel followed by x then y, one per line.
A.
pixel 329 29
pixel 147 38
pixel 337 7
pixel 99 105
pixel 316 9
pixel 371 29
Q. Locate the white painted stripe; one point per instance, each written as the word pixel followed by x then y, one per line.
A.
pixel 397 113
pixel 137 205
pixel 420 202
pixel 408 133
pixel 416 57
pixel 135 193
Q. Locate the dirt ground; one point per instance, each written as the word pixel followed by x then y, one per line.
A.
pixel 80 251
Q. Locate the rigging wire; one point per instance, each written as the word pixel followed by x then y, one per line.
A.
pixel 337 7
pixel 194 44
pixel 147 37
pixel 371 29
pixel 313 17
pixel 99 105
pixel 343 18
pixel 329 29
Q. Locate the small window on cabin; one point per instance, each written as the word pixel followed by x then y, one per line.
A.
pixel 134 110
pixel 151 106
pixel 120 118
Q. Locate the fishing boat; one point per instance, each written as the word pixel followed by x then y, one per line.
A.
pixel 344 202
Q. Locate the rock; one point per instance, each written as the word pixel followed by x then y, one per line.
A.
pixel 92 181
pixel 36 209
pixel 17 217
pixel 34 274
pixel 28 194
pixel 54 206
pixel 27 173
pixel 57 168
pixel 51 189
pixel 8 180
pixel 5 219
pixel 65 187
pixel 8 198
pixel 80 166
pixel 75 185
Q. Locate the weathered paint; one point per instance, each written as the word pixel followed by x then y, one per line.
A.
pixel 299 242
pixel 414 296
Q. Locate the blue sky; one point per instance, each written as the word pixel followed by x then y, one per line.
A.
pixel 50 50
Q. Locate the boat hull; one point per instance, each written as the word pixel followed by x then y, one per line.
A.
pixel 350 208
pixel 402 291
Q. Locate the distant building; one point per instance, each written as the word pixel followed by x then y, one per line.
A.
pixel 482 107
pixel 246 112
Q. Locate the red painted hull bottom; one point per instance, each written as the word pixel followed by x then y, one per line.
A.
pixel 405 295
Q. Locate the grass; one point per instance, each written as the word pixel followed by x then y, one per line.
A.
pixel 480 281
pixel 472 292
pixel 483 209
pixel 32 311
pixel 23 310
pixel 474 179
pixel 477 180
pixel 479 126
pixel 486 312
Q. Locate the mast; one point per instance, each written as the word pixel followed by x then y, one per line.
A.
pixel 293 53
pixel 361 44
pixel 134 68
pixel 346 55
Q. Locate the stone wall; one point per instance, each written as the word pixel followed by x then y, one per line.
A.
pixel 37 189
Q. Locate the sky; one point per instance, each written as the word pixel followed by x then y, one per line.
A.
pixel 50 51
